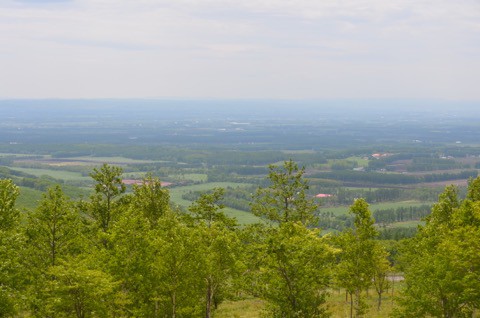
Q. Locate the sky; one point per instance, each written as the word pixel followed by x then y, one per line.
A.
pixel 243 49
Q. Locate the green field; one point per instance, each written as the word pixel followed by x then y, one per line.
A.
pixel 28 198
pixel 111 160
pixel 195 177
pixel 362 162
pixel 57 174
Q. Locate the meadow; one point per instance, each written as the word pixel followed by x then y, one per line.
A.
pixel 336 304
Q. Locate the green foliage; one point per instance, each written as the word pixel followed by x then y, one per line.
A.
pixel 53 235
pixel 156 261
pixel 295 271
pixel 79 291
pixel 233 197
pixel 400 214
pixel 431 164
pixel 108 186
pixel 442 267
pixel 381 269
pixel 10 244
pixel 220 246
pixel 208 209
pixel 151 199
pixel 11 274
pixel 129 260
pixel 53 229
pixel 361 259
pixel 9 215
pixel 178 284
pixel 285 200
pixel 220 262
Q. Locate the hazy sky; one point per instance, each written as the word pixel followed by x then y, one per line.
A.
pixel 240 49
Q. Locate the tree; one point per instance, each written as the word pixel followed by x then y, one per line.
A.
pixel 357 260
pixel 220 248
pixel 207 208
pixel 53 229
pixel 178 269
pixel 108 187
pixel 9 215
pixel 129 261
pixel 151 199
pixel 11 242
pixel 442 211
pixel 79 291
pixel 295 271
pixel 285 199
pixel 381 268
pixel 219 244
pixel 53 235
pixel 441 263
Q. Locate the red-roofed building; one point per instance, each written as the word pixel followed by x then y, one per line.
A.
pixel 323 195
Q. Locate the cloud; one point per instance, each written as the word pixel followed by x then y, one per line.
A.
pixel 40 2
pixel 193 47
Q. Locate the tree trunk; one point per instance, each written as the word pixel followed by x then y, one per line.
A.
pixel 209 295
pixel 357 303
pixel 351 305
pixel 174 305
pixel 379 304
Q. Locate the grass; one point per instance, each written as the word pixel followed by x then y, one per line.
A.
pixel 57 174
pixel 28 198
pixel 247 308
pixel 340 308
pixel 242 217
pixel 336 304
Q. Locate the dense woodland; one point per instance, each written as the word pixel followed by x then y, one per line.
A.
pixel 119 254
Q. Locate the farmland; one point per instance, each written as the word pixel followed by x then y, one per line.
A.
pixel 344 156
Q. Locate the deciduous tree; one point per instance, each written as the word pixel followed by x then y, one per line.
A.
pixel 108 187
pixel 295 272
pixel 356 268
pixel 285 199
pixel 9 215
pixel 442 263
pixel 220 246
pixel 151 199
pixel 11 243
